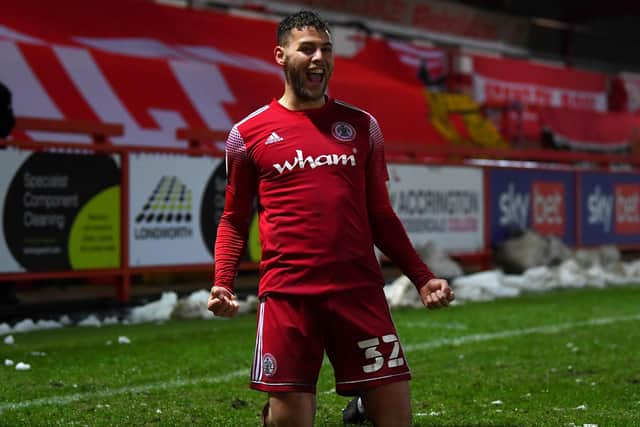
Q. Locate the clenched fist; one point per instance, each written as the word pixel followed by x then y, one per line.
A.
pixel 436 293
pixel 222 302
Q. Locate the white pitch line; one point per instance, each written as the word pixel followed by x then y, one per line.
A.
pixel 65 400
pixel 549 329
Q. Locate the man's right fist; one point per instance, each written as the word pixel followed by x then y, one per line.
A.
pixel 222 302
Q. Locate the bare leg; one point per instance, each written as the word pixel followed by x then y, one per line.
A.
pixel 291 409
pixel 388 405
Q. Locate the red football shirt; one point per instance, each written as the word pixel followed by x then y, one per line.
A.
pixel 320 177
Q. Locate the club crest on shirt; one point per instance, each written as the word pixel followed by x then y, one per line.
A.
pixel 343 131
pixel 269 365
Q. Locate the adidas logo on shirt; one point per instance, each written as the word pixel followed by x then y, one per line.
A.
pixel 274 137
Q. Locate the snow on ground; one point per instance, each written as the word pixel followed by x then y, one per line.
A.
pixel 598 267
pixel 123 340
pixel 158 311
pixel 169 306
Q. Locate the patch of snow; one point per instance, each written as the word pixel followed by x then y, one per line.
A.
pixel 90 320
pixel 26 325
pixel 250 305
pixel 572 269
pixel 112 320
pixel 65 320
pixel 48 324
pixel 193 306
pixel 483 286
pixel 402 293
pixel 439 262
pixel 159 310
pixel 123 340
pixel 532 254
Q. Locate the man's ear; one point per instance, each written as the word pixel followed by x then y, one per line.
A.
pixel 278 53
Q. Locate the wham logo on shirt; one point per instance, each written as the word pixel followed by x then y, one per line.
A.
pixel 300 161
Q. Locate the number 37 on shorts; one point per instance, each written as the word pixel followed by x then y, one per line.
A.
pixel 372 347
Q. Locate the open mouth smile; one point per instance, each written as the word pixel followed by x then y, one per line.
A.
pixel 316 76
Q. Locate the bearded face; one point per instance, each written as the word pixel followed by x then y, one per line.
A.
pixel 308 63
pixel 307 85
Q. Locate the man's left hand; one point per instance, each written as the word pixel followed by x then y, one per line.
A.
pixel 436 293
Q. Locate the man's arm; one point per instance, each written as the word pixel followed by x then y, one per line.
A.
pixel 389 234
pixel 233 227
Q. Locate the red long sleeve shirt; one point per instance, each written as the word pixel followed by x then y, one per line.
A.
pixel 320 177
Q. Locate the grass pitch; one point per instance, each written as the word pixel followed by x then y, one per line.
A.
pixel 564 358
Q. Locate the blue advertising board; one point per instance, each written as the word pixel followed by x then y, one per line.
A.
pixel 609 208
pixel 538 199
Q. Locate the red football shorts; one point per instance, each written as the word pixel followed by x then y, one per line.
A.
pixel 354 327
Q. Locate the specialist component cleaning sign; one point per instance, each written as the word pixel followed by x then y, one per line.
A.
pixel 60 211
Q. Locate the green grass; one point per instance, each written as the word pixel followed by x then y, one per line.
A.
pixel 542 355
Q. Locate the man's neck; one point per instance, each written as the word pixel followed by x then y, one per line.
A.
pixel 292 102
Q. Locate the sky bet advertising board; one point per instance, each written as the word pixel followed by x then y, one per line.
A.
pixel 541 200
pixel 609 208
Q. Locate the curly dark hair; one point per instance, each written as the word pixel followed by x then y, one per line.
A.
pixel 299 20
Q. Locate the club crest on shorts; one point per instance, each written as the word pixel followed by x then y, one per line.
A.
pixel 269 365
pixel 343 131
